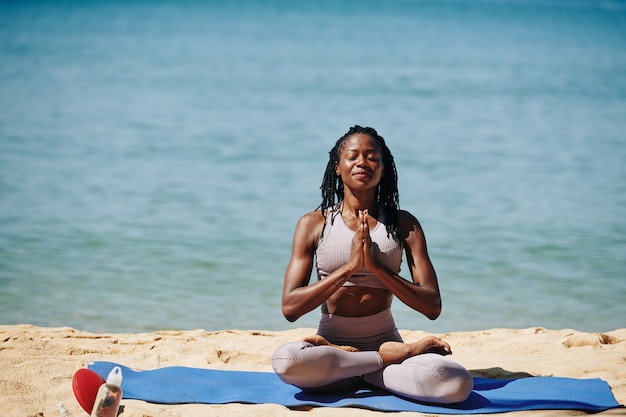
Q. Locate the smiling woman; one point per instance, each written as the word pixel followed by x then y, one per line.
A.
pixel 361 161
pixel 357 242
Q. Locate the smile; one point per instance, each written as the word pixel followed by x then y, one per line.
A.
pixel 362 174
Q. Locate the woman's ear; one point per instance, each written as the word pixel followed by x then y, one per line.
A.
pixel 337 168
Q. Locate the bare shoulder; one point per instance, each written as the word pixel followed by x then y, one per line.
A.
pixel 409 228
pixel 311 219
pixel 407 221
pixel 310 227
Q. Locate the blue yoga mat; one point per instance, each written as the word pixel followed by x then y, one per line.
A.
pixel 182 385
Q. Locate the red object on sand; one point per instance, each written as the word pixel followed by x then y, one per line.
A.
pixel 85 384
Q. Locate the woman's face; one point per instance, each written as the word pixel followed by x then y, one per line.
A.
pixel 360 163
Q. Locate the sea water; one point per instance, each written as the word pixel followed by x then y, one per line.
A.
pixel 155 156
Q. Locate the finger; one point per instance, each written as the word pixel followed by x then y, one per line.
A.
pixel 446 347
pixel 439 351
pixel 359 232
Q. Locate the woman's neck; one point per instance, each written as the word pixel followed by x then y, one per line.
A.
pixel 353 205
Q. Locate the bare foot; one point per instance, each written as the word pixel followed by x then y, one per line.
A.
pixel 318 340
pixel 396 352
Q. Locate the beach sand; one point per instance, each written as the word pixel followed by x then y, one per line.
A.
pixel 37 363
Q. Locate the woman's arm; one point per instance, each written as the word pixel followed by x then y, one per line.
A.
pixel 422 294
pixel 298 296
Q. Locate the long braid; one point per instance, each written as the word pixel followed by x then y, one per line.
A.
pixel 387 194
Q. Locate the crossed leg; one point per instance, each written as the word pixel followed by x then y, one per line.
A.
pixel 407 369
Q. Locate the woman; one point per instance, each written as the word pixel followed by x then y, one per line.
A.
pixel 357 245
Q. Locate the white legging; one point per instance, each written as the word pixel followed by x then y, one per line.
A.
pixel 428 377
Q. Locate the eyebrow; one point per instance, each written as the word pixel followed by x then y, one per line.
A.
pixel 373 149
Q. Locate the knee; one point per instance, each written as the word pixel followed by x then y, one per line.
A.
pixel 286 356
pixel 430 378
pixel 290 364
pixel 459 384
pixel 450 382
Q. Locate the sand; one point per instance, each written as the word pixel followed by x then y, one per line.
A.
pixel 37 363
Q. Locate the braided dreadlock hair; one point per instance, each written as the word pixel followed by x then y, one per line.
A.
pixel 387 191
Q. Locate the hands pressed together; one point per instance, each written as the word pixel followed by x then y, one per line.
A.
pixel 362 252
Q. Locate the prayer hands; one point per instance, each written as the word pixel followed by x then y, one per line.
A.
pixel 362 252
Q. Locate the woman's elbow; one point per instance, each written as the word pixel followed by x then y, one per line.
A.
pixel 290 313
pixel 435 310
pixel 433 315
pixel 291 317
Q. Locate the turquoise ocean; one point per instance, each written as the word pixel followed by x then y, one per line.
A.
pixel 155 156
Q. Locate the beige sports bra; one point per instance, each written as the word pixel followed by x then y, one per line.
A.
pixel 334 247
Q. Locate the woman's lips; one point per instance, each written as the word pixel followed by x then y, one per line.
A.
pixel 362 175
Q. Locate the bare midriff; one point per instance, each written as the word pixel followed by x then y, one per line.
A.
pixel 358 301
